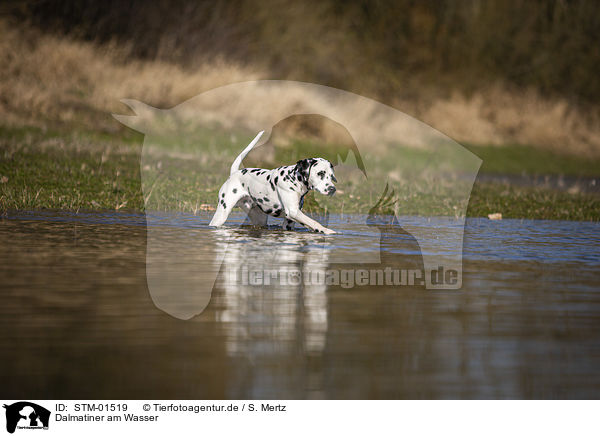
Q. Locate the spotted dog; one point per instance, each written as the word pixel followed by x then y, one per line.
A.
pixel 279 192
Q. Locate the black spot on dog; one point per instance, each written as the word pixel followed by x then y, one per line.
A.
pixel 276 179
pixel 268 177
pixel 234 190
pixel 276 205
pixel 223 195
pixel 321 174
pixel 272 186
pixel 277 212
pixel 268 211
pixel 244 171
pixel 260 200
pixel 266 199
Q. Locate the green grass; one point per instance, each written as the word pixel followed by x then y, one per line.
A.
pixel 54 170
pixel 87 170
pixel 532 203
pixel 521 159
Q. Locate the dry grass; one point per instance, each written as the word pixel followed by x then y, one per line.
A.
pixel 48 78
pixel 45 79
pixel 498 116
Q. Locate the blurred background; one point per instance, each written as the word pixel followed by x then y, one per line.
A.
pixel 489 71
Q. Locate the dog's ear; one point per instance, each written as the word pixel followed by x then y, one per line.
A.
pixel 305 164
pixel 302 166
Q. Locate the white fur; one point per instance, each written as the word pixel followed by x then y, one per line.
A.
pixel 278 192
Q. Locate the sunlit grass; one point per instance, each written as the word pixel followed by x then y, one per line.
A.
pixel 82 170
pixel 516 159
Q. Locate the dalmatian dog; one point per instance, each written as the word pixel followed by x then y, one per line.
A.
pixel 278 192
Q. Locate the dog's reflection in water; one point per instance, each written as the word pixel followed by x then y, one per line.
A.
pixel 262 296
pixel 271 296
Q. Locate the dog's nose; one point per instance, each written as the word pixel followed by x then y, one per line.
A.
pixel 331 190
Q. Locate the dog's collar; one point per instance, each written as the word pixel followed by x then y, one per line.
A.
pixel 308 176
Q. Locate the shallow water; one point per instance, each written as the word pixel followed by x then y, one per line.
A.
pixel 80 321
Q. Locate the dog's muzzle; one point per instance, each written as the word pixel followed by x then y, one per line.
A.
pixel 331 190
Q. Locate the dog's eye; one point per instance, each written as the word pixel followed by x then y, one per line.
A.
pixel 321 174
pixel 333 178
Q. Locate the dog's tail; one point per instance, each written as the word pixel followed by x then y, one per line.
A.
pixel 238 160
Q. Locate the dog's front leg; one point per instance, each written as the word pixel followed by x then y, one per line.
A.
pixel 291 203
pixel 303 219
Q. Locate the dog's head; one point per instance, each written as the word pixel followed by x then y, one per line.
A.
pixel 317 174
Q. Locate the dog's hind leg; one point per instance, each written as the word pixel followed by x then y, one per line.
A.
pixel 257 216
pixel 229 194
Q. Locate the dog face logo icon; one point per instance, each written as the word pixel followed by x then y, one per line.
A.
pixel 26 415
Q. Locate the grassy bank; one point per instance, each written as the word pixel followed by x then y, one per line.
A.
pixel 51 74
pixel 87 170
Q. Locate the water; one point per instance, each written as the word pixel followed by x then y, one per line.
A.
pixel 78 320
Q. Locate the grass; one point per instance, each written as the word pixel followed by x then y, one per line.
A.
pixel 89 170
pixel 515 159
pixel 54 170
pixel 532 203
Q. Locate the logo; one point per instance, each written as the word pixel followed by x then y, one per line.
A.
pixel 423 180
pixel 26 415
